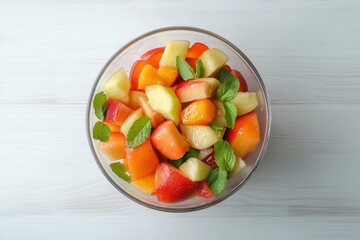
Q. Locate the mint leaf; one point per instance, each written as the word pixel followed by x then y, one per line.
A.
pixel 189 154
pixel 228 90
pixel 184 69
pixel 139 132
pixel 216 128
pixel 224 155
pixel 224 75
pixel 101 132
pixel 229 110
pixel 99 105
pixel 119 169
pixel 199 69
pixel 217 180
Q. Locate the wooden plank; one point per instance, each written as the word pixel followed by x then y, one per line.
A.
pixel 52 52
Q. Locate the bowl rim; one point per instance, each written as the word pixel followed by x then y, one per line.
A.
pixel 267 129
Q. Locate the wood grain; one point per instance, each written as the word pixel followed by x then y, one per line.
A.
pixel 307 187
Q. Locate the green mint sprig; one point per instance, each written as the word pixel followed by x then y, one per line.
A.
pixel 186 71
pixel 101 132
pixel 225 159
pixel 119 169
pixel 99 105
pixel 139 132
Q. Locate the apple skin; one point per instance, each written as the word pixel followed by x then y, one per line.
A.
pixel 245 136
pixel 116 112
pixel 164 101
pixel 171 185
pixel 196 89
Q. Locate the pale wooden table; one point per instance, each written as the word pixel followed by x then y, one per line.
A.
pixel 308 185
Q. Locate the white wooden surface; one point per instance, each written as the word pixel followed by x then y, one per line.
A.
pixel 308 185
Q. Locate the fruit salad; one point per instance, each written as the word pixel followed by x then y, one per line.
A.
pixel 180 124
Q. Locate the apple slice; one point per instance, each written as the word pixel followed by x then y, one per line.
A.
pixel 125 127
pixel 156 117
pixel 239 166
pixel 245 102
pixel 199 136
pixel 171 185
pixel 172 50
pixel 204 153
pixel 118 86
pixel 164 101
pixel 134 99
pixel 168 141
pixel 196 89
pixel 219 118
pixel 204 190
pixel 213 59
pixel 116 112
pixel 195 169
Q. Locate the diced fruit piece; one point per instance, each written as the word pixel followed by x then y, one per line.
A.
pixel 196 50
pixel 199 112
pixel 172 50
pixel 134 99
pixel 168 141
pixel 164 101
pixel 141 160
pixel 204 190
pixel 228 68
pixel 171 185
pixel 168 74
pixel 136 69
pixel 210 160
pixel 245 102
pixel 213 59
pixel 245 135
pixel 239 165
pixel 197 89
pixel 149 76
pixel 204 153
pixel 219 118
pixel 116 112
pixel 115 147
pixel 135 115
pixel 199 136
pixel 192 62
pixel 156 117
pixel 113 127
pixel 118 86
pixel 146 184
pixel 239 76
pixel 153 56
pixel 195 169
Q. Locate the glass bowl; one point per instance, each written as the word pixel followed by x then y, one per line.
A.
pixel 131 52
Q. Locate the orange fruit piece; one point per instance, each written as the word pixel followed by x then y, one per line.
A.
pixel 196 50
pixel 115 147
pixel 245 135
pixel 149 76
pixel 169 74
pixel 153 56
pixel 141 161
pixel 113 127
pixel 199 112
pixel 146 184
pixel 168 141
pixel 135 73
pixel 134 99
